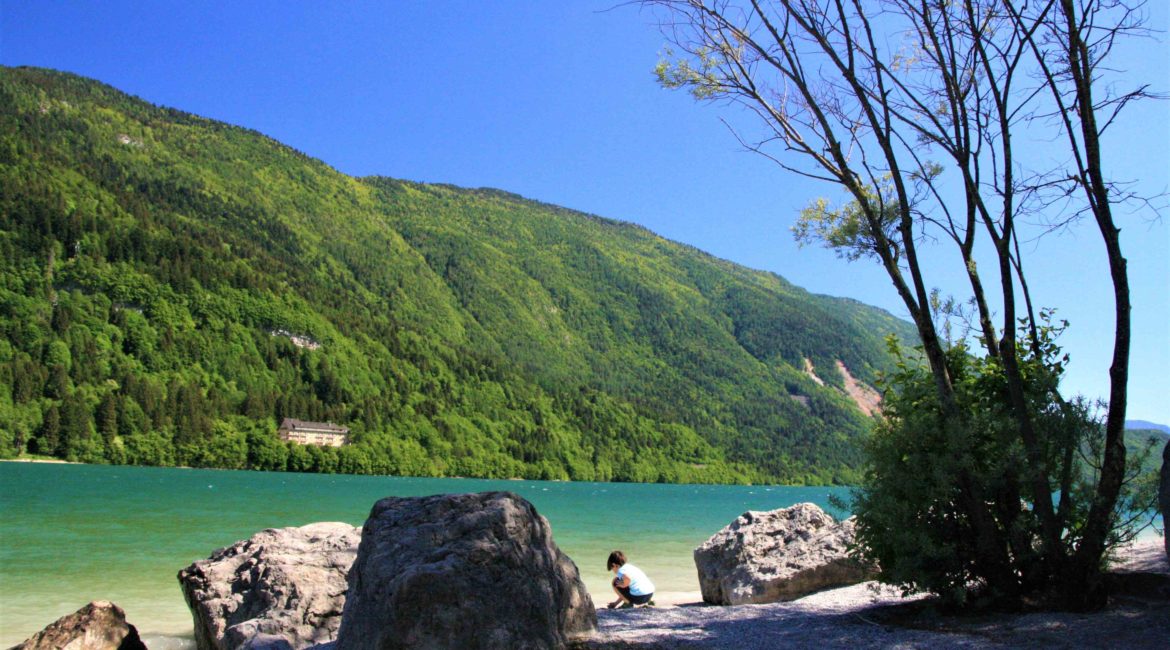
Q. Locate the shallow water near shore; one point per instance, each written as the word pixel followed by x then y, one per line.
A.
pixel 70 534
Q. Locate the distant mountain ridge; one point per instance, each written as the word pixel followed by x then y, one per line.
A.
pixel 173 286
pixel 1144 424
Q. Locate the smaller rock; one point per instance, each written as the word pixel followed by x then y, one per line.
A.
pixel 100 625
pixel 281 588
pixel 766 557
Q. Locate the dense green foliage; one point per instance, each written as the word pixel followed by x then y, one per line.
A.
pixel 173 286
pixel 1145 446
pixel 925 469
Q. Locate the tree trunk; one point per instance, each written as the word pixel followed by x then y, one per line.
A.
pixel 1088 590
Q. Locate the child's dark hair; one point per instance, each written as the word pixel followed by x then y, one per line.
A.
pixel 617 558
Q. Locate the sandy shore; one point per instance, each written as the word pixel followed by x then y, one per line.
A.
pixel 865 616
pixel 52 461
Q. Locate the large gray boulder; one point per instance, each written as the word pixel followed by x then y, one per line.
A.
pixel 1164 498
pixel 765 557
pixel 462 571
pixel 280 584
pixel 100 625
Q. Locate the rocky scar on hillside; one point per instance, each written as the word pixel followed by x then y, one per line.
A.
pixel 766 557
pixel 285 584
pixel 462 571
pixel 100 625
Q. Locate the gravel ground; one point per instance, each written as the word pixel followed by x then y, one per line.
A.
pixel 854 617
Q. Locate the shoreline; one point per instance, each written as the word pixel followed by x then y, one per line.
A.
pixel 510 479
pixel 661 599
pixel 866 615
pixel 1144 554
pixel 869 615
pixel 47 461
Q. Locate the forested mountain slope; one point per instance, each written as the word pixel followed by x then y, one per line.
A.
pixel 173 286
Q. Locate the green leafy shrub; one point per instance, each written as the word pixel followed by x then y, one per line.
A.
pixel 923 470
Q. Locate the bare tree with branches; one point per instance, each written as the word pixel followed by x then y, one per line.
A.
pixel 916 108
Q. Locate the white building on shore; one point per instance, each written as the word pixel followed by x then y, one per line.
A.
pixel 323 434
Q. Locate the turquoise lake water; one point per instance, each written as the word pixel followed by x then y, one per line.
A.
pixel 70 534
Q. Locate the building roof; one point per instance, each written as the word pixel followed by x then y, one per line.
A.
pixel 292 424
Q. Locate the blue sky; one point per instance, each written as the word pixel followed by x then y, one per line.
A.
pixel 557 101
